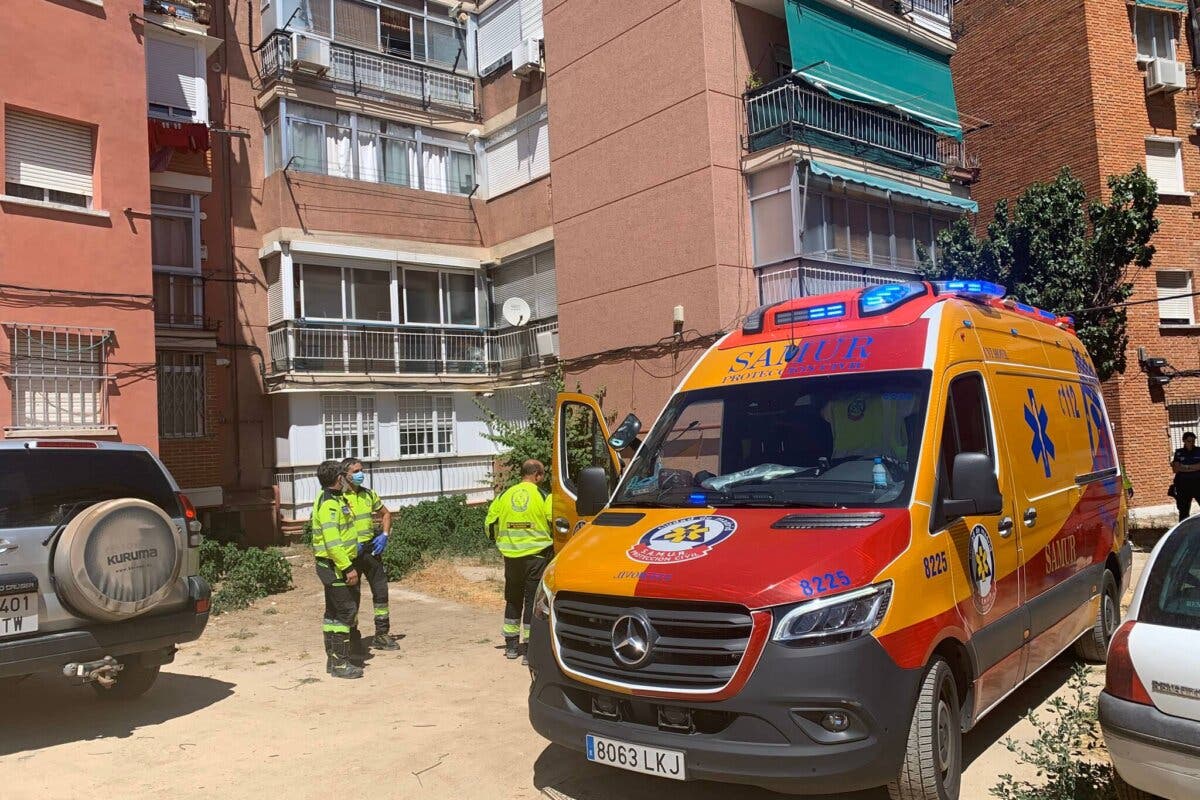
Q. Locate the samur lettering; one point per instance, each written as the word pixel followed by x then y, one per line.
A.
pixel 831 354
pixel 1060 554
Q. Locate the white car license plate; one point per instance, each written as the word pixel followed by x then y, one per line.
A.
pixel 18 613
pixel 636 757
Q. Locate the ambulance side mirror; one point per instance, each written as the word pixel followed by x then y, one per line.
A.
pixel 626 433
pixel 975 490
pixel 593 492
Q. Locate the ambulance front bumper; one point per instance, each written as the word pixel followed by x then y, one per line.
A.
pixel 769 734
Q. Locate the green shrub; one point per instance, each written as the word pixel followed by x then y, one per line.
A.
pixel 1067 752
pixel 242 576
pixel 446 526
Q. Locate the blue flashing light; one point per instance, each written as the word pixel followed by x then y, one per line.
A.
pixel 811 314
pixel 698 498
pixel 971 288
pixel 1046 315
pixel 883 298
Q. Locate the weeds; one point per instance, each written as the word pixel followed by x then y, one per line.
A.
pixel 242 576
pixel 1067 752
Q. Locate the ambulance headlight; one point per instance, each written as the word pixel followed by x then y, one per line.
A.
pixel 542 602
pixel 837 618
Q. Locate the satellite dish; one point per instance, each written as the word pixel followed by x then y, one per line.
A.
pixel 516 311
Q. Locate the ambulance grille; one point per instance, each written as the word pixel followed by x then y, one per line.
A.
pixel 698 647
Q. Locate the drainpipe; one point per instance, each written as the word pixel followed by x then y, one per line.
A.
pixel 1193 25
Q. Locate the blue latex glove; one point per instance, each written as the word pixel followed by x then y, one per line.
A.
pixel 378 543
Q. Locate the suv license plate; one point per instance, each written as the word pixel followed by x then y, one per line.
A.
pixel 636 757
pixel 18 613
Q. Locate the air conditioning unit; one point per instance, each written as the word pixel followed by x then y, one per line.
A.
pixel 1165 75
pixel 310 54
pixel 527 57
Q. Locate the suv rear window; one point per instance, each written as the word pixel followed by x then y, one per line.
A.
pixel 46 487
pixel 1173 589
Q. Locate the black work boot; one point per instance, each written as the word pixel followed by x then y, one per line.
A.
pixel 511 650
pixel 342 668
pixel 381 641
pixel 328 652
pixel 359 652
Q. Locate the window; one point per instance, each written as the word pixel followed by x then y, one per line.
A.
pixel 1172 594
pixel 1155 33
pixel 518 153
pixel 180 395
pixel 410 29
pixel 58 377
pixel 583 445
pixel 1165 165
pixel 1172 308
pixel 426 425
pixel 531 278
pixel 174 231
pixel 1182 417
pixel 966 429
pixel 175 84
pixel 48 160
pixel 421 297
pixel 503 27
pixel 346 293
pixel 349 425
pixel 355 146
pixel 771 212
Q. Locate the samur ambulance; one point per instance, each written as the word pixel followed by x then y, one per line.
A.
pixel 861 521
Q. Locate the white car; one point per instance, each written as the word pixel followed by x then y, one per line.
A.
pixel 1150 706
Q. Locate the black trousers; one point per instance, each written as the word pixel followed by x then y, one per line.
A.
pixel 521 578
pixel 373 571
pixel 1184 495
pixel 341 601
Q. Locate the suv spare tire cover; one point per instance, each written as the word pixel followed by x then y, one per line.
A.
pixel 117 559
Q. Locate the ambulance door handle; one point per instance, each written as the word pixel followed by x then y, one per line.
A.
pixel 1005 527
pixel 1030 517
pixel 561 526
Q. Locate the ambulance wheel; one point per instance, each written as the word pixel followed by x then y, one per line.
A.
pixel 932 767
pixel 1093 645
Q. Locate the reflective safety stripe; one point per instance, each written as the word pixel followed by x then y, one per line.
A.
pixel 511 627
pixel 381 611
pixel 514 544
pixel 525 631
pixel 335 627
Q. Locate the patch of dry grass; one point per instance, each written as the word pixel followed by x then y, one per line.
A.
pixel 442 578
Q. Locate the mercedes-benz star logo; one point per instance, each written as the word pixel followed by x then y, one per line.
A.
pixel 633 640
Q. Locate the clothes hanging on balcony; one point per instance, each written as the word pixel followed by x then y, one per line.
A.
pixel 851 59
pixel 166 137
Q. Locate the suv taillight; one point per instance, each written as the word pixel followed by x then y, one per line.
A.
pixel 1121 678
pixel 193 522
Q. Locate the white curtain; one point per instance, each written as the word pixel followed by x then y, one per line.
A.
pixel 434 165
pixel 400 162
pixel 306 145
pixel 338 155
pixel 368 157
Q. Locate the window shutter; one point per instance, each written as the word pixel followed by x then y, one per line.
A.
pixel 1162 164
pixel 531 19
pixel 515 279
pixel 1176 311
pixel 500 32
pixel 356 23
pixel 49 153
pixel 539 149
pixel 545 286
pixel 505 170
pixel 171 78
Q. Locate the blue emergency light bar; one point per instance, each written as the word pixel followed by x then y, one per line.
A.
pixel 883 298
pixel 811 314
pixel 698 498
pixel 963 288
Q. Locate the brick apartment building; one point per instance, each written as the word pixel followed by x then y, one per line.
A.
pixel 1102 85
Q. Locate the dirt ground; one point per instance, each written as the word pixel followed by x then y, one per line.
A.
pixel 247 712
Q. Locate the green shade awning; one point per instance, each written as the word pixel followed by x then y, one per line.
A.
pixel 889 185
pixel 852 59
pixel 1163 5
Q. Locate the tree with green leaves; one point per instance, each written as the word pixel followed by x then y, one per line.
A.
pixel 1060 251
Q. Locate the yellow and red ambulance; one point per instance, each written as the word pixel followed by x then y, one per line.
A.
pixel 861 521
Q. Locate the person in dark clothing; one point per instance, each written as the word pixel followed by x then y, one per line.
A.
pixel 1186 466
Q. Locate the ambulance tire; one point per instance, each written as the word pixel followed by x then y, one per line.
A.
pixel 1093 645
pixel 932 767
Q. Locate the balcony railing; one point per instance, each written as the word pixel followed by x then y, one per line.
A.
pixel 335 348
pixel 790 110
pixel 364 72
pixel 805 281
pixel 178 300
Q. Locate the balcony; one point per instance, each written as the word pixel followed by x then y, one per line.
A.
pixel 789 110
pixel 366 73
pixel 356 349
pixel 178 300
pixel 197 11
pixel 935 16
pixel 777 285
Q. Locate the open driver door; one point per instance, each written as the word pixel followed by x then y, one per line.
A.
pixel 580 441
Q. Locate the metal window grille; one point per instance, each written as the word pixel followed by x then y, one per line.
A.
pixel 1182 417
pixel 180 395
pixel 58 377
pixel 426 425
pixel 350 425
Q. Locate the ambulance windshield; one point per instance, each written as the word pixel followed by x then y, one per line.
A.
pixel 832 441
